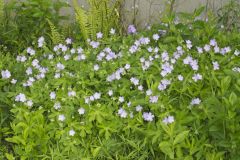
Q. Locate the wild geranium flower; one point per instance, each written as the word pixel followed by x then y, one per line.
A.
pixel 127 66
pixel 57 75
pixel 197 77
pixel 121 99
pixel 99 35
pixel 135 81
pixel 13 81
pixel 153 99
pixel 215 65
pixel 168 120
pixel 112 31
pixel 71 132
pixel 110 92
pixel 6 74
pixel 52 95
pixel 200 50
pixel 68 41
pixel 41 42
pixel 21 58
pixel 96 67
pixel 133 49
pixel 165 56
pixel 156 37
pixel 35 63
pixel 131 29
pixel 163 84
pixel 31 51
pixel 144 40
pixel 180 78
pixel 20 98
pixel 67 57
pixel 148 116
pixel 81 111
pixel 60 66
pixel 29 71
pixel 29 103
pixel 195 101
pixel 57 105
pixel 97 95
pixel 71 93
pixel 140 88
pixel 94 44
pixel 122 113
pixel 213 42
pixel 61 117
pixel 149 92
pixel 216 49
pixel 139 108
pixel 237 53
pixel 189 44
pixel 129 104
pixel 207 48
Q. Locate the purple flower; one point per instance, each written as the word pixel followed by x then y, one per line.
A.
pixel 131 29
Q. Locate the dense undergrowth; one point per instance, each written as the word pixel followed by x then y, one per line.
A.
pixel 169 92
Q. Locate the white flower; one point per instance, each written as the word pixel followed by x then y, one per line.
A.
pixel 121 99
pixel 237 53
pixel 71 93
pixel 20 98
pixel 197 77
pixel 5 74
pixel 127 66
pixel 67 57
pixel 81 111
pixel 139 108
pixel 156 37
pixel 200 50
pixel 134 80
pixel 168 120
pixel 96 67
pixel 52 95
pixel 99 35
pixel 35 63
pixel 29 71
pixel 71 132
pixel 29 103
pixel 140 88
pixel 57 105
pixel 148 116
pixel 57 75
pixel 60 66
pixel 213 42
pixel 153 99
pixel 13 81
pixel 207 48
pixel 61 117
pixel 112 31
pixel 195 101
pixel 215 65
pixel 122 113
pixel 31 51
pixel 110 92
pixel 68 41
pixel 180 78
pixel 149 92
pixel 97 95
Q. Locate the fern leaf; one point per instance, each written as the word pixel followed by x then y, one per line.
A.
pixel 56 37
pixel 82 20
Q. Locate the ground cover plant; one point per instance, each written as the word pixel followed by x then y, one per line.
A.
pixel 167 93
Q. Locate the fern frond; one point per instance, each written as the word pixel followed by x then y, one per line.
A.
pixel 56 37
pixel 1 10
pixel 82 20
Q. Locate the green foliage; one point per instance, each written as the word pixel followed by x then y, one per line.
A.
pixel 55 36
pixel 101 16
pixel 229 15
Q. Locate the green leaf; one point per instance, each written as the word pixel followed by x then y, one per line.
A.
pixel 9 156
pixel 166 148
pixel 180 137
pixel 233 98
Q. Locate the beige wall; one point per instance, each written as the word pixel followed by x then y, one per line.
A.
pixel 148 11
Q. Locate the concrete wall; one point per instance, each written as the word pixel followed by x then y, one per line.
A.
pixel 149 11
